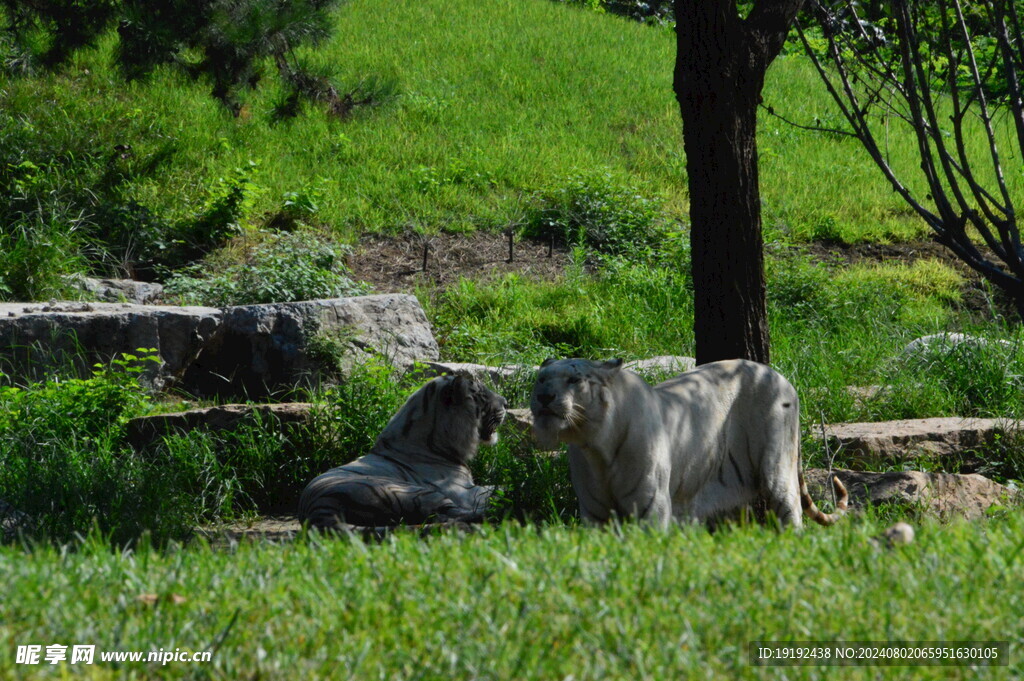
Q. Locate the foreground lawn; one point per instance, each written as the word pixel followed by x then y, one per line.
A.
pixel 517 602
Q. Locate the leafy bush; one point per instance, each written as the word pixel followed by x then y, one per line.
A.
pixel 598 213
pixel 63 460
pixel 268 267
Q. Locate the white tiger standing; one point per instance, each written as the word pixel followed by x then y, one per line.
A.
pixel 418 469
pixel 698 447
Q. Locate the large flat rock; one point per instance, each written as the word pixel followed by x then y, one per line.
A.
pixel 946 495
pixel 145 430
pixel 247 351
pixel 261 350
pixel 915 438
pixel 37 340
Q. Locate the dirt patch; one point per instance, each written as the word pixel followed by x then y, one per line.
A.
pixel 268 528
pixel 835 252
pixel 395 264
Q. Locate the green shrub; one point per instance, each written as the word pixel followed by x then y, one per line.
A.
pixel 268 267
pixel 530 488
pixel 64 462
pixel 357 409
pixel 597 212
pixel 225 214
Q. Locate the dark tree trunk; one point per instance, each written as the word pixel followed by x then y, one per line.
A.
pixel 720 66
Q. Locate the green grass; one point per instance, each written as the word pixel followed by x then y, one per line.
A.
pixel 484 105
pixel 521 602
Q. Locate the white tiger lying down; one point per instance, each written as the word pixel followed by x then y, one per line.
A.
pixel 698 447
pixel 416 472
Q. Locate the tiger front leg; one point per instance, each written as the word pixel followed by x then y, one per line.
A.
pixel 648 501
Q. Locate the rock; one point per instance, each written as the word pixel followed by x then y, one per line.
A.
pixel 944 494
pixel 37 340
pixel 946 343
pixel 260 350
pixel 145 430
pixel 496 377
pixel 913 438
pixel 899 534
pixel 119 290
pixel 661 365
pixel 247 351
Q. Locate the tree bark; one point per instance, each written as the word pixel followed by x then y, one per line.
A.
pixel 721 61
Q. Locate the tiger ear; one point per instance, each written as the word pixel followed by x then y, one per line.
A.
pixel 548 361
pixel 612 366
pixel 456 391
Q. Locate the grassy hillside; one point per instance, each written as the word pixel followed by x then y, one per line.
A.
pixel 478 104
pixel 482 109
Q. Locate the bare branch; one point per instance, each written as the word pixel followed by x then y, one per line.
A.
pixel 811 128
pixel 869 73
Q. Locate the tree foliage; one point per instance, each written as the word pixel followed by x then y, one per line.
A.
pixel 946 71
pixel 226 42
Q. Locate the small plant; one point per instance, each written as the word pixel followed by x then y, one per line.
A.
pixel 330 348
pixel 596 212
pixel 269 267
pixel 37 254
pixel 226 212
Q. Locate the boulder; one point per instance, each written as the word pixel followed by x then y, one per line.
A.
pixel 260 350
pixel 119 290
pixel 946 343
pixel 914 438
pixel 39 340
pixel 946 495
pixel 246 351
pixel 145 430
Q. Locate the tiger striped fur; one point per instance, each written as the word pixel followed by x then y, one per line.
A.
pixel 417 471
pixel 699 447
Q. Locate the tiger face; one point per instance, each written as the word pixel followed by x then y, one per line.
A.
pixel 567 396
pixel 467 400
pixel 490 407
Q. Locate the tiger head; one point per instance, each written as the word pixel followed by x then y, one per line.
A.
pixel 450 415
pixel 570 394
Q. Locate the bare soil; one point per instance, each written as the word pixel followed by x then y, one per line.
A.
pixel 395 264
